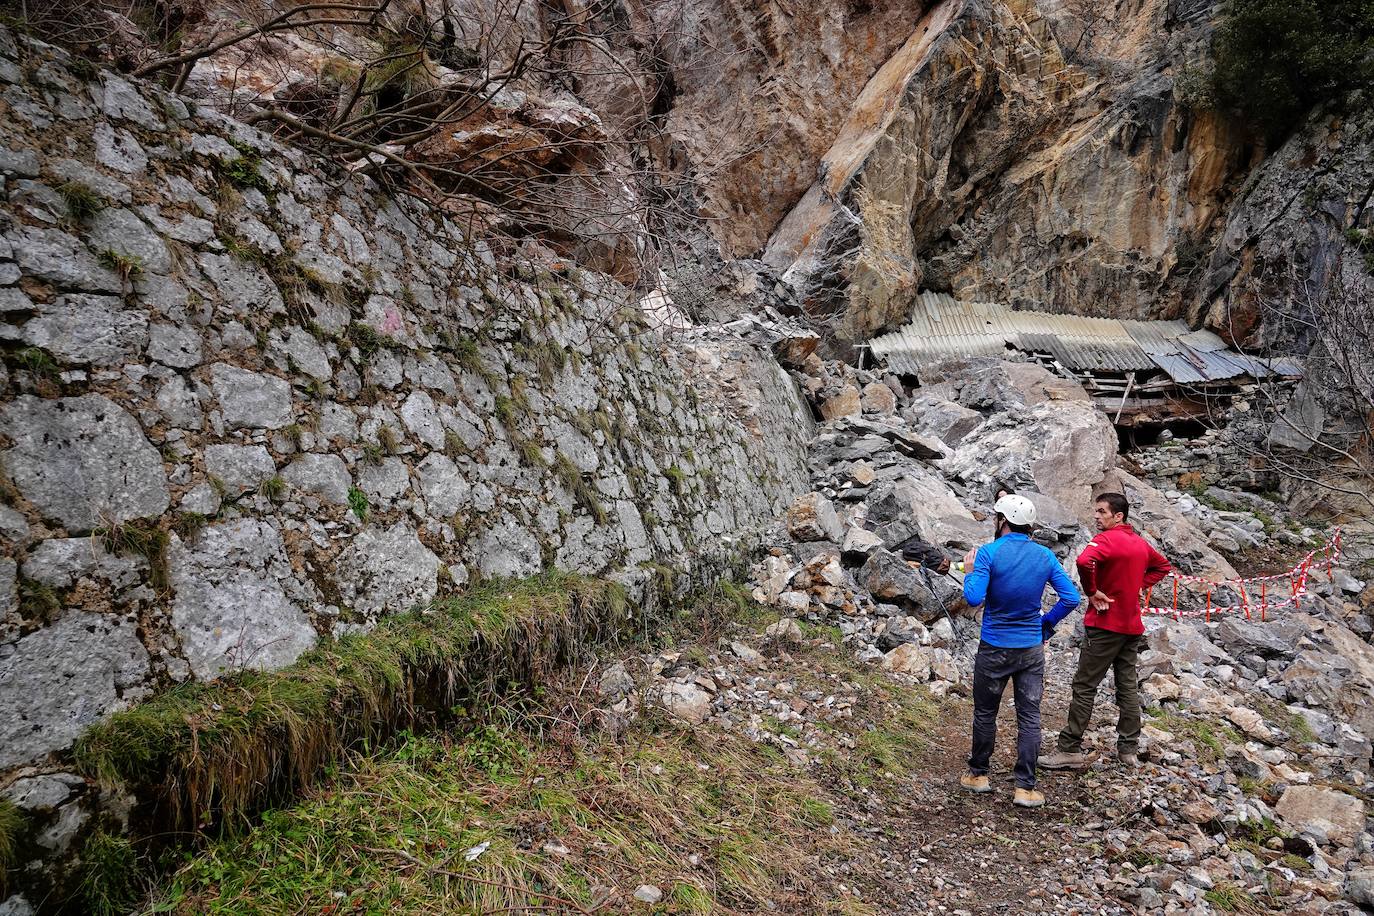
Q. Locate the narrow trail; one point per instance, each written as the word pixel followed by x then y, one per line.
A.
pixel 977 854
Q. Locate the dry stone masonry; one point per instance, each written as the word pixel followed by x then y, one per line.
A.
pixel 248 405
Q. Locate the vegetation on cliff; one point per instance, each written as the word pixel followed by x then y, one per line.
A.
pixel 1276 59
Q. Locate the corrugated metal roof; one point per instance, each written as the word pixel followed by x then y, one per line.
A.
pixel 942 328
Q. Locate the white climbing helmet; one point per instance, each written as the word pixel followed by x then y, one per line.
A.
pixel 1016 509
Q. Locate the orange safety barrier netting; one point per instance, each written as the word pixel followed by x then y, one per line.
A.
pixel 1281 590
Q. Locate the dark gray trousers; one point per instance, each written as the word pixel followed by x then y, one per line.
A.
pixel 992 668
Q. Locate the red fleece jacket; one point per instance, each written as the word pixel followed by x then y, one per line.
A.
pixel 1121 564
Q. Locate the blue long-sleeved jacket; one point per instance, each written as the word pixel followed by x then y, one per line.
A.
pixel 1009 576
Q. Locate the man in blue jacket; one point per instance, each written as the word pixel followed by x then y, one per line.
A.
pixel 1008 577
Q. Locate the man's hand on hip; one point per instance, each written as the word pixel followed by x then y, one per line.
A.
pixel 1100 600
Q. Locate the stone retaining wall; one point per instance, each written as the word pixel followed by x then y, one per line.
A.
pixel 249 405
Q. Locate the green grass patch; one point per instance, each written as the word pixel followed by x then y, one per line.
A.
pixel 1229 898
pixel 11 825
pixel 581 488
pixel 357 501
pixel 1209 737
pixel 126 266
pixel 38 601
pixel 110 884
pixel 397 831
pixel 216 752
pixel 366 340
pixel 38 362
pixel 274 488
pixel 82 203
pixel 244 171
pixel 141 537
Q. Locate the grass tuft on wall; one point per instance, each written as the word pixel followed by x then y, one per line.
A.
pixel 214 754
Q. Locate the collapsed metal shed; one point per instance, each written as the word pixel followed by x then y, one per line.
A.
pixel 1112 357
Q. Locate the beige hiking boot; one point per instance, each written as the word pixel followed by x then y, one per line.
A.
pixel 1127 759
pixel 978 784
pixel 1062 760
pixel 1028 798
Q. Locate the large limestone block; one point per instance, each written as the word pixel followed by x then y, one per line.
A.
pixel 239 468
pixel 687 702
pixel 445 488
pixel 844 403
pixel 83 461
pixel 908 659
pixel 231 608
pixel 945 420
pixel 1063 449
pixel 878 398
pixel 921 503
pixel 385 571
pixel 60 679
pixel 84 328
pixel 325 476
pixel 251 400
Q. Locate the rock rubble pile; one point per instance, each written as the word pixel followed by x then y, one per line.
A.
pixel 1257 748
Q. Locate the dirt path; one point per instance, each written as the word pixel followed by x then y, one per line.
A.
pixel 977 854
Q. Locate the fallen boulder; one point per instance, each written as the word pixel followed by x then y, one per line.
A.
pixel 812 518
pixel 1337 816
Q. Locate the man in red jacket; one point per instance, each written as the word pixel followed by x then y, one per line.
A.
pixel 1115 567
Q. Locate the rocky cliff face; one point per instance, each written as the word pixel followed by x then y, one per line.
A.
pixel 1046 154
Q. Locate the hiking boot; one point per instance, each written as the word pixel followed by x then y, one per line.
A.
pixel 1128 759
pixel 977 784
pixel 1028 798
pixel 1062 760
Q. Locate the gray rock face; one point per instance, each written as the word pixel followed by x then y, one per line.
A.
pixel 307 355
pixel 926 597
pixel 920 503
pixel 388 479
pixel 1359 886
pixel 1062 449
pixel 62 562
pixel 251 400
pixel 387 571
pixel 444 487
pixel 61 259
pixel 62 678
pixel 122 232
pixel 505 550
pixel 179 404
pixel 325 476
pixel 1241 637
pixel 82 328
pixel 239 468
pixel 9 599
pixel 83 460
pixel 42 793
pixel 231 609
pixel 243 288
pixel 422 419
pixel 174 345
